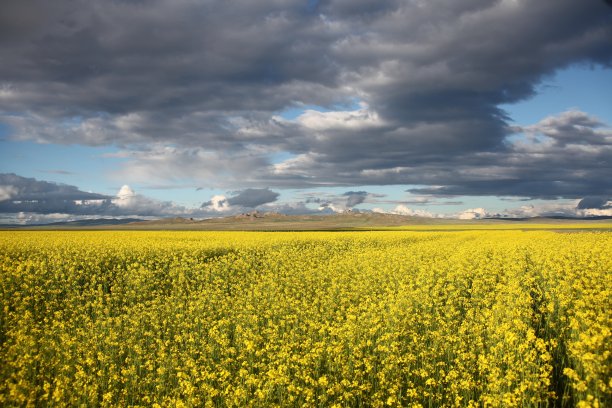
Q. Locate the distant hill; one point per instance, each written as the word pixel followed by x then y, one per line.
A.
pixel 274 221
pixel 259 221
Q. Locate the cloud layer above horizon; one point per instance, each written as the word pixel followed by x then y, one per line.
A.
pixel 389 93
pixel 30 201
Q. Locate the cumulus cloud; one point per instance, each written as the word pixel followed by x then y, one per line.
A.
pixel 7 192
pixel 128 202
pixel 241 200
pixel 402 209
pixel 125 197
pixel 195 91
pixel 473 214
pixel 217 203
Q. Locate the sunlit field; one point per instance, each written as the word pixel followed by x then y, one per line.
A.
pixel 306 319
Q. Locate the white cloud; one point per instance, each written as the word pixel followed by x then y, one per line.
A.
pixel 547 209
pixel 296 166
pixel 33 218
pixel 241 201
pixel 594 212
pixel 335 207
pixel 473 214
pixel 355 119
pixel 126 197
pixel 219 203
pixel 343 202
pixel 7 192
pixel 401 209
pixel 556 208
pixel 127 202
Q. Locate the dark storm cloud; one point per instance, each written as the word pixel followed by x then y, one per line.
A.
pixel 572 127
pixel 245 199
pixel 354 198
pixel 58 206
pixel 207 79
pixel 17 188
pixel 253 197
pixel 341 202
pixel 314 200
pixel 162 57
pixel 535 165
pixel 599 203
pixel 548 189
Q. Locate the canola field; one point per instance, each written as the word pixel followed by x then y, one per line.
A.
pixel 306 319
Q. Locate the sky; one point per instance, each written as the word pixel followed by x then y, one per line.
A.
pixel 197 108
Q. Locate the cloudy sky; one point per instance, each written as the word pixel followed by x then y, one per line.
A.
pixel 462 108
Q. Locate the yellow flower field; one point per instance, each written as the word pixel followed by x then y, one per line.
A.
pixel 306 319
